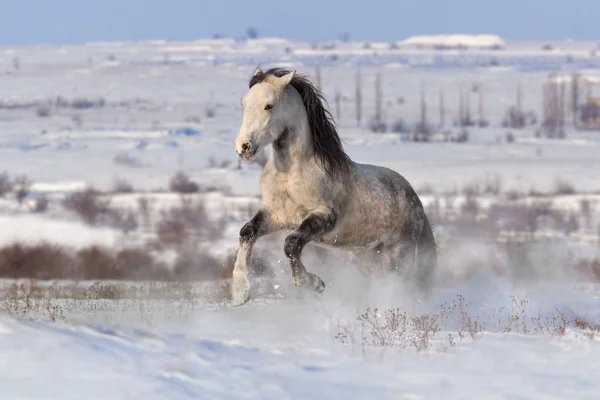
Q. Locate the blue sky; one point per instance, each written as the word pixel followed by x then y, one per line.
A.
pixel 78 21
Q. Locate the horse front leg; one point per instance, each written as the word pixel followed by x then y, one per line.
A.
pixel 313 227
pixel 258 226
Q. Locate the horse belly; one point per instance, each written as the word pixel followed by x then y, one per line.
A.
pixel 365 226
pixel 356 236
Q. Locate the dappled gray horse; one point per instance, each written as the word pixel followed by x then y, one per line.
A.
pixel 311 187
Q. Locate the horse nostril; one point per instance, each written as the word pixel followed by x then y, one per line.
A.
pixel 245 147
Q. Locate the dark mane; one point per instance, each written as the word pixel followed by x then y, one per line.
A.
pixel 326 142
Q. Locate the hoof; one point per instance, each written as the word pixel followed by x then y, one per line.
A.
pixel 240 291
pixel 320 285
pixel 309 281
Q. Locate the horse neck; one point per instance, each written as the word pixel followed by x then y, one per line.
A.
pixel 294 146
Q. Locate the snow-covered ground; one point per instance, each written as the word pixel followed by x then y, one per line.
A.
pixel 160 107
pixel 285 349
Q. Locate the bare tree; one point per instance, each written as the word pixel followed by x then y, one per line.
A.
pixel 318 77
pixel 358 98
pixel 562 104
pixel 519 105
pixel 482 121
pixel 464 109
pixel 423 128
pixel 468 117
pixel 252 33
pixel 378 98
pixel 338 105
pixel 461 108
pixel 575 97
pixel 377 124
pixel 442 108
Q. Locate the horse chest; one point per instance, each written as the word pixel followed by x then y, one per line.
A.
pixel 288 198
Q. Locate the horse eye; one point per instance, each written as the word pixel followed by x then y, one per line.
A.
pixel 268 106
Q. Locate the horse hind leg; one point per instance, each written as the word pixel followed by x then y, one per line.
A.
pixel 312 227
pixel 300 276
pixel 400 258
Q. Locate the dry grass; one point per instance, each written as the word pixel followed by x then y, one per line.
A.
pixel 46 262
pixel 149 303
pixel 454 324
pixel 146 302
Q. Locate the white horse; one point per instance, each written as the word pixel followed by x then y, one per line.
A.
pixel 311 187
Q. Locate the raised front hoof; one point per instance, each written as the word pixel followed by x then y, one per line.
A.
pixel 240 291
pixel 309 281
pixel 319 286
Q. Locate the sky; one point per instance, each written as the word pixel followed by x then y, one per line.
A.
pixel 80 21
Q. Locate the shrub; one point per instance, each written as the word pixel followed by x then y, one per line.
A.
pixel 471 190
pixel 493 185
pixel 77 120
pixel 122 186
pixel 563 187
pixel 400 127
pixel 43 111
pixel 83 103
pixel 181 183
pixel 196 265
pixel 137 264
pixel 87 204
pixel 377 126
pixel 210 111
pixel 96 262
pixel 41 204
pixel 125 222
pixel 41 261
pixel 127 160
pixel 188 221
pixel 463 136
pixel 586 209
pixel 470 208
pixel 22 184
pixel 6 184
pixel 144 208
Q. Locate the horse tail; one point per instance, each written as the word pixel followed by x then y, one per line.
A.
pixel 426 259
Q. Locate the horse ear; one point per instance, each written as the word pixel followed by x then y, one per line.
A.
pixel 257 71
pixel 285 79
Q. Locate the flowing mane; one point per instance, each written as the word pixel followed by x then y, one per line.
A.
pixel 326 142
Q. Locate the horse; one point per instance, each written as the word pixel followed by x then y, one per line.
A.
pixel 311 187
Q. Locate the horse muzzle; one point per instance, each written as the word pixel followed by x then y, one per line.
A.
pixel 246 150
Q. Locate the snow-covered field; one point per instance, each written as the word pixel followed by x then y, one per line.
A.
pixel 155 108
pixel 286 348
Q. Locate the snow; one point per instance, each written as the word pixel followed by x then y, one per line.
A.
pixel 283 346
pixel 453 41
pixel 32 229
pixel 275 350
